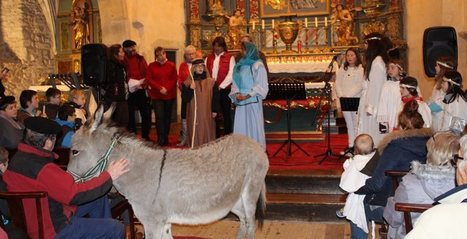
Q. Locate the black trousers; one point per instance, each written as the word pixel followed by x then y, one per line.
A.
pixel 139 101
pixel 226 110
pixel 163 110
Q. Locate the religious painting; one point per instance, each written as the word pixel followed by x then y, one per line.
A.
pixel 65 36
pixel 277 8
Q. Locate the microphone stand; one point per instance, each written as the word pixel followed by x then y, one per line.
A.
pixel 328 91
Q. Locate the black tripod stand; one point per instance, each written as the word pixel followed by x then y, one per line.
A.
pixel 288 91
pixel 327 90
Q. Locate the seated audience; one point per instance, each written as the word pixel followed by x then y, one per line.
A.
pixel 50 107
pixel 352 179
pixel 11 231
pixel 73 210
pixel 425 181
pixel 78 101
pixel 66 119
pixel 29 102
pixel 11 131
pixel 447 220
pixel 397 150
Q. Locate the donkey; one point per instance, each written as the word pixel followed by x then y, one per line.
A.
pixel 181 186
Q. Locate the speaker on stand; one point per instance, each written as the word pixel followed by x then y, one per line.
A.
pixel 94 66
pixel 438 41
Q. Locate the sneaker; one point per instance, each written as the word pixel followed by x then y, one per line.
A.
pixel 340 213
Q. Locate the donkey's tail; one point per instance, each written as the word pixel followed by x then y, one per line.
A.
pixel 261 207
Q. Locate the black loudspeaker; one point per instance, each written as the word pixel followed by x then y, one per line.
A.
pixel 438 41
pixel 93 64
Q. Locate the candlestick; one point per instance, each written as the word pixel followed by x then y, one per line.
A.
pixel 253 25
pixel 325 21
pixel 316 22
pixel 262 24
pixel 306 22
pixel 272 23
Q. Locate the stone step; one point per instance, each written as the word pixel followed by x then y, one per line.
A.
pixel 304 181
pixel 304 207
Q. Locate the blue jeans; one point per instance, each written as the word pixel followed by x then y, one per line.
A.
pixel 99 224
pixel 372 213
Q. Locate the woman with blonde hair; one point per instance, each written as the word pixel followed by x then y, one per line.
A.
pixel 425 181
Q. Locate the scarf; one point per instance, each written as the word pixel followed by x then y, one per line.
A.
pixel 251 56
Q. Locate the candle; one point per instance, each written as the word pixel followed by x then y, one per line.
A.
pixel 325 21
pixel 272 23
pixel 253 25
pixel 306 22
pixel 262 24
pixel 316 22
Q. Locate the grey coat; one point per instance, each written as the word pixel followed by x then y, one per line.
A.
pixel 421 185
pixel 10 136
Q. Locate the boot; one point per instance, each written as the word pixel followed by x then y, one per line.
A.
pixel 183 134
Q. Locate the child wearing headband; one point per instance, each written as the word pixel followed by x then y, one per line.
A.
pixel 454 106
pixel 409 92
pixel 390 100
pixel 443 65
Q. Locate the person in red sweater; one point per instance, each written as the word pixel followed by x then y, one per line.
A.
pixel 162 84
pixel 136 68
pixel 220 66
pixel 68 202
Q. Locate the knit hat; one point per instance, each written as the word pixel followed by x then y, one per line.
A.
pixel 128 43
pixel 197 61
pixel 42 125
pixel 5 101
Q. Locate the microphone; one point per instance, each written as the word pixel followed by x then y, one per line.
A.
pixel 334 58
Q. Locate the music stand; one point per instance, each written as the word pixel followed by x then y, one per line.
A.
pixel 287 91
pixel 327 90
pixel 349 103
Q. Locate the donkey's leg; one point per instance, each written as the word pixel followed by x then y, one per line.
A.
pixel 239 210
pixel 154 229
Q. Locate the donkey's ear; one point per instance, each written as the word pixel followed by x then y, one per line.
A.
pixel 97 118
pixel 108 113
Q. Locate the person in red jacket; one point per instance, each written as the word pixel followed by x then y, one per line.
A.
pixel 162 84
pixel 220 66
pixel 32 169
pixel 136 67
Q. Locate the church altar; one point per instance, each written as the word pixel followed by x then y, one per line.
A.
pixel 298 67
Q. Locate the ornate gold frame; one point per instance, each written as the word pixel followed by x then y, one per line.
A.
pixel 277 8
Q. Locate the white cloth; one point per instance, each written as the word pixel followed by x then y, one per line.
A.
pixel 349 83
pixel 425 111
pixel 441 221
pixel 310 67
pixel 249 120
pixel 215 70
pixel 389 104
pixel 134 85
pixel 369 101
pixel 458 108
pixel 437 96
pixel 351 180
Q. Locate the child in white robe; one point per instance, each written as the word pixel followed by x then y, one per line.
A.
pixel 352 179
pixel 454 105
pixel 409 92
pixel 390 100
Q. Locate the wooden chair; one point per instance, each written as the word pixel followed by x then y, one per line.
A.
pixel 119 209
pixel 16 206
pixel 407 208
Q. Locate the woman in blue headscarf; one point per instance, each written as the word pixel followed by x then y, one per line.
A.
pixel 249 88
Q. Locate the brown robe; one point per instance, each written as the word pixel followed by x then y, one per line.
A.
pixel 203 126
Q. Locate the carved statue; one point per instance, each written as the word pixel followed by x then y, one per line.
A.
pixel 80 21
pixel 236 23
pixel 343 19
pixel 215 7
pixel 276 4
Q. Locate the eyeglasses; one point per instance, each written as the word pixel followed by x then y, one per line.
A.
pixel 455 159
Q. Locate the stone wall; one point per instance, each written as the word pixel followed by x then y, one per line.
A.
pixel 27 43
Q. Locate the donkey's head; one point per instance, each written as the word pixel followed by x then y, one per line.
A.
pixel 91 141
